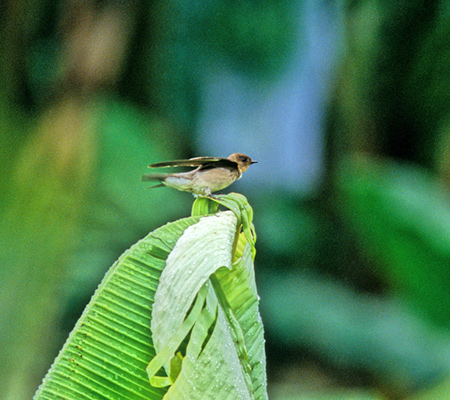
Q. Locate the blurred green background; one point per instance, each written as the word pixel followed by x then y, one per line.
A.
pixel 345 105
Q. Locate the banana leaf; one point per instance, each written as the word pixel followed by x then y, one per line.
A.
pixel 192 282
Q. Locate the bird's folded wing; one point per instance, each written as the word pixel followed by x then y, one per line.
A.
pixel 194 162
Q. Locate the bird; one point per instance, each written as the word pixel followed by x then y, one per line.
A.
pixel 210 175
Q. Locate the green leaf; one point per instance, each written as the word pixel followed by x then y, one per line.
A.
pixel 107 352
pixel 205 322
pixel 235 202
pixel 169 350
pixel 224 356
pixel 402 216
pixel 204 206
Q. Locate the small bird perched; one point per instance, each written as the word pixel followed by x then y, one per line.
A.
pixel 212 173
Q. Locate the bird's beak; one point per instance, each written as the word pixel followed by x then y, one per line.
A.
pixel 254 162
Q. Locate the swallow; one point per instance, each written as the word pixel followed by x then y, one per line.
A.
pixel 210 175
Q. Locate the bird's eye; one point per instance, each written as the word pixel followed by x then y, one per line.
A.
pixel 244 159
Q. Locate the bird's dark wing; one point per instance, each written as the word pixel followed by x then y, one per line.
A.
pixel 202 162
pixel 219 163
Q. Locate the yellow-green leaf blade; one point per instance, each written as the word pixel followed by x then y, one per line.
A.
pixel 106 354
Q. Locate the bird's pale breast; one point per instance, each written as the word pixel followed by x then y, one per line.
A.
pixel 215 179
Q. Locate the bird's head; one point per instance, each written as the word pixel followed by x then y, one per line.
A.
pixel 242 161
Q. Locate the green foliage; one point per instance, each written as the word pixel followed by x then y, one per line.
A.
pixel 107 352
pixel 402 217
pixel 439 391
pixel 338 395
pixel 255 37
pixel 70 208
pixel 206 261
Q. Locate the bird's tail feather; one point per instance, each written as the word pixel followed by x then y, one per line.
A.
pixel 154 177
pixel 157 186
